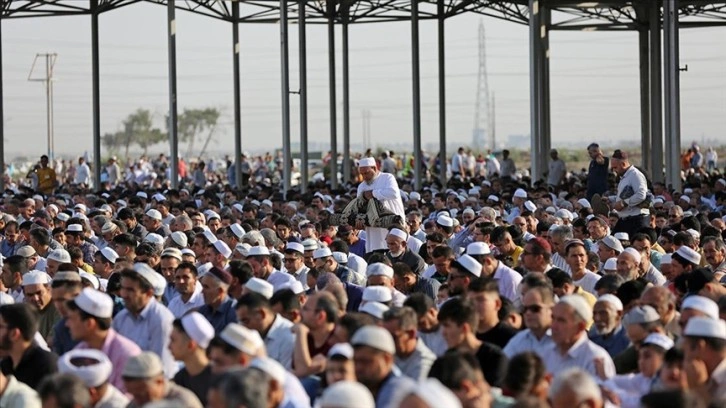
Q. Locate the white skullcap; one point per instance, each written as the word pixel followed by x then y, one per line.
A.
pixel 154 214
pixel 75 228
pixel 612 299
pixel 530 206
pixel 622 236
pixel 470 264
pixel 154 238
pixel 689 255
pixel 187 251
pixel 666 259
pixel 611 264
pixel 705 327
pixel 374 309
pixel 36 278
pixel 209 235
pixel 109 254
pixel 222 248
pixel 271 367
pixel 90 278
pixel 295 286
pixel 434 394
pixel 243 248
pixel 295 246
pixel 492 197
pixel 237 230
pixel 367 162
pixel 478 248
pixel 579 304
pixel 346 394
pixel 445 220
pixel 261 287
pixel 695 234
pixel 634 253
pixel 95 303
pixel 340 257
pixel 310 244
pixel 375 337
pixel 398 233
pixel 243 339
pixel 180 238
pixel 520 193
pixel 702 304
pixel 322 253
pixel 341 349
pixel 660 340
pixel 198 328
pixel 379 269
pixel 92 375
pixel 584 203
pixel 380 294
pixel 258 251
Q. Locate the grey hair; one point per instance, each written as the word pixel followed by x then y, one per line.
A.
pixel 243 387
pixel 67 389
pixel 406 316
pixel 578 382
pixel 186 220
pixel 563 231
pixel 720 246
pixel 488 213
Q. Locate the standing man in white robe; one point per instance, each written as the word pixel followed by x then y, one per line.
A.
pixel 383 187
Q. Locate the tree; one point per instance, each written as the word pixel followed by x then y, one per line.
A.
pixel 193 122
pixel 112 141
pixel 138 128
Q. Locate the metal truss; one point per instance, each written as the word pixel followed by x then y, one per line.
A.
pixel 566 14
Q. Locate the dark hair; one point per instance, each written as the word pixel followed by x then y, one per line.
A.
pixel 524 372
pixel 252 300
pixel 402 269
pixel 339 246
pixel 558 277
pixel 67 390
pixel 631 290
pixel 329 305
pixel 287 299
pixel 188 265
pixel 41 235
pixel 453 368
pixel 242 270
pixel 460 311
pixel 102 322
pixel 353 321
pixel 20 316
pixel 609 283
pixel 671 399
pixel 442 251
pixel 484 284
pixel 420 303
pixel 125 239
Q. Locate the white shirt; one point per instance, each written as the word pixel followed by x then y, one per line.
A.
pixel 414 244
pixel 630 388
pixel 559 262
pixel 357 263
pixel 582 355
pixel 557 171
pixel 429 271
pixel 277 278
pixel 179 308
pixel 527 341
pixel 302 276
pixel 280 341
pixel 654 276
pixel 83 174
pixel 632 190
pixel 434 341
pixel 508 280
pixel 385 189
pixel 588 282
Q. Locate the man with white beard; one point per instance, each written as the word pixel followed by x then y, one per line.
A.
pixel 607 330
pixel 383 187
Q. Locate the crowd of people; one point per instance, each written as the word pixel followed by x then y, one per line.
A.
pixel 595 289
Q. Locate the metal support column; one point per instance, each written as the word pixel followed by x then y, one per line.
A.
pixel 416 80
pixel 285 75
pixel 544 37
pixel 656 95
pixel 442 90
pixel 96 90
pixel 645 137
pixel 303 97
pixel 173 136
pixel 346 102
pixel 2 115
pixel 331 84
pixel 672 91
pixel 237 96
pixel 535 78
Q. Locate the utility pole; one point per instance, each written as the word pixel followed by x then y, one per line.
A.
pixel 493 123
pixel 50 59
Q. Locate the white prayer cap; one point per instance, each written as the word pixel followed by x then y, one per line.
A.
pixel 154 214
pixel 295 286
pixel 36 278
pixel 340 257
pixel 346 394
pixel 478 248
pixel 520 193
pixel 611 264
pixel 146 272
pixel 80 207
pixel 90 278
pixel 198 328
pixel 433 393
pixel 622 236
pixel 243 248
pixel 209 235
pixel 367 162
pixel 95 303
pixel 530 206
pixel 142 194
pixel 445 220
pixel 564 213
pixel 612 243
pixel 689 255
pixel 108 228
pixel 341 349
pixel 379 269
pixel 550 210
pixel 398 233
pixel 702 304
pixel 310 244
pixel 469 211
pixel 322 253
pixel 110 255
pixel 74 228
pixel 267 365
pixel 237 230
pixel 666 259
pixel 374 309
pixel 211 215
pixel 243 339
pixel 375 337
pixel 640 315
pixel 171 253
pixel 705 327
pixel 158 197
pixel 154 238
pixel 579 305
pixel 584 203
pixel 260 286
pixel 634 253
pixel 695 234
pixel 660 340
pixel 295 246
pixel 203 269
pixel 470 265
pixel 612 299
pixel 92 375
pixel 222 248
pixel 180 238
pixel 63 216
pixel 187 251
pixel 258 251
pixel 381 294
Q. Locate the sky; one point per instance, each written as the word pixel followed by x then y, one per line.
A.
pixel 594 81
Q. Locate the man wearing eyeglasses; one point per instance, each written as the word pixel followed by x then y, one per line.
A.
pixel 294 263
pixel 537 303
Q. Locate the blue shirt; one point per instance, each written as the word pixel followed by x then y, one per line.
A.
pixel 390 388
pixel 614 344
pixel 221 316
pixel 359 248
pixel 62 340
pixel 150 331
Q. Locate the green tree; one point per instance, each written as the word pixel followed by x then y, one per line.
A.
pixel 192 123
pixel 138 128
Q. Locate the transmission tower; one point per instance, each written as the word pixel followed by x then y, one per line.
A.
pixel 482 118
